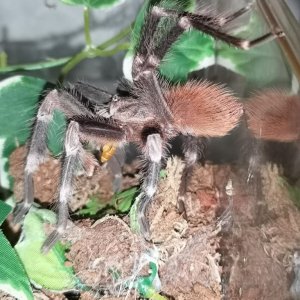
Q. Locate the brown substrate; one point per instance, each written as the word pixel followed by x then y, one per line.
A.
pixel 237 242
pixel 257 251
pixel 46 180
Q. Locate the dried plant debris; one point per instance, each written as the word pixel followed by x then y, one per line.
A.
pixel 103 253
pixel 189 267
pixel 38 295
pixel 258 251
pixel 282 231
pixel 46 295
pixel 45 179
pixel 239 240
pixel 4 296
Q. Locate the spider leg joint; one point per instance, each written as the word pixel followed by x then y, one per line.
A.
pixel 155 147
pixel 184 23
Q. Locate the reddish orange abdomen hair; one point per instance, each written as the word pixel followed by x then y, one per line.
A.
pixel 203 109
pixel 274 115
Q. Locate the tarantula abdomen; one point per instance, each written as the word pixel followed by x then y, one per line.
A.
pixel 274 115
pixel 203 108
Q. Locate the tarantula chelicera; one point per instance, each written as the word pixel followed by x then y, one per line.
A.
pixel 148 111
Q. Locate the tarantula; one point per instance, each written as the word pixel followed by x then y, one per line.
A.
pixel 148 111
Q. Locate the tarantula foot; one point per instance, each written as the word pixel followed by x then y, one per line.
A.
pixel 142 220
pixel 54 237
pixel 20 212
pixel 144 227
pixel 181 206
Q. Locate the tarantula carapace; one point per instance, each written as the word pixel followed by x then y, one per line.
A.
pixel 148 111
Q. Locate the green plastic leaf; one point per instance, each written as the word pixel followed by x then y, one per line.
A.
pixel 93 3
pixel 19 96
pixel 3 59
pixel 13 278
pixel 5 209
pixel 45 270
pixel 192 51
pixel 93 206
pixel 51 63
pixel 145 284
pixel 119 203
pixel 19 99
pixel 262 66
pixel 56 133
pixel 122 201
pixel 134 224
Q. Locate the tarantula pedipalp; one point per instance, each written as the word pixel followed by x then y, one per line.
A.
pixel 148 111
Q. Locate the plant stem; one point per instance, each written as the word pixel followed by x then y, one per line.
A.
pixel 87 32
pixel 75 60
pixel 35 66
pixel 119 36
pixel 3 59
pixel 61 61
pixel 71 62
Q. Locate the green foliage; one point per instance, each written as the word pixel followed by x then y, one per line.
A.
pixel 13 278
pixel 56 133
pixel 192 51
pixel 51 63
pixel 93 206
pixel 145 284
pixel 119 203
pixel 5 209
pixel 19 99
pixel 122 201
pixel 19 96
pixel 262 66
pixel 92 3
pixel 45 270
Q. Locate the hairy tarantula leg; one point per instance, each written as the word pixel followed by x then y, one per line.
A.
pixel 153 152
pixel 146 42
pixel 225 20
pixel 36 155
pixel 63 101
pixel 193 148
pixel 146 45
pixel 187 20
pixel 71 159
pixel 115 164
pixel 22 208
pixel 79 129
